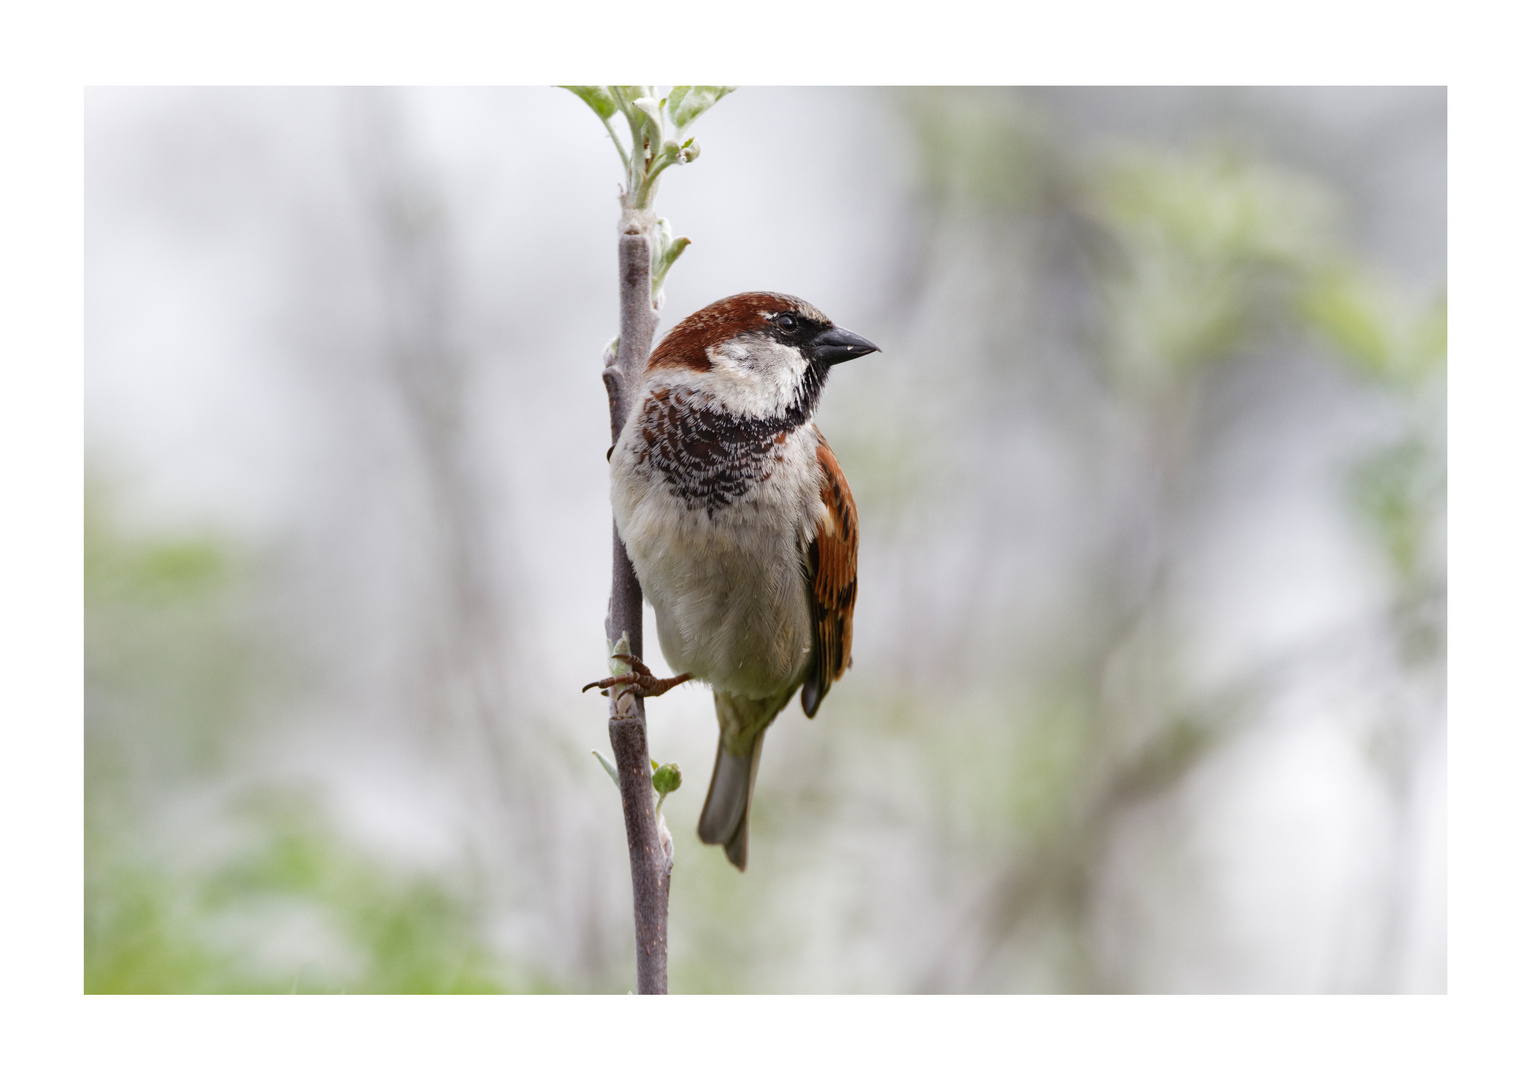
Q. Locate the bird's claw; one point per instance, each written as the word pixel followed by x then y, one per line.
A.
pixel 640 680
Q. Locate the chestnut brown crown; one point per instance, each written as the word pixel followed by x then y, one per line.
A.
pixel 768 316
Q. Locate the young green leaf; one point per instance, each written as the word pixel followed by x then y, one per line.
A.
pixel 663 252
pixel 650 108
pixel 687 103
pixel 648 130
pixel 599 98
pixel 674 99
pixel 611 768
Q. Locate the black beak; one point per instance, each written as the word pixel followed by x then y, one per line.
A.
pixel 836 345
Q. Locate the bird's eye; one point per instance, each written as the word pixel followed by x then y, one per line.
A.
pixel 786 322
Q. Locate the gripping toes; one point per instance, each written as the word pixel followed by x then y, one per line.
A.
pixel 641 679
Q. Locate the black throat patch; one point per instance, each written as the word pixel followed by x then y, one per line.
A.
pixel 711 458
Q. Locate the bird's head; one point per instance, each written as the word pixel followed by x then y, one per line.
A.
pixel 756 354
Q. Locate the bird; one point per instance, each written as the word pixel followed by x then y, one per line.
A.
pixel 740 525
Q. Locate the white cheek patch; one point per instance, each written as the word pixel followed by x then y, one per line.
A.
pixel 757 376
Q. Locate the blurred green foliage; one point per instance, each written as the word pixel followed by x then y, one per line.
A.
pixel 172 666
pixel 984 150
pixel 358 925
pixel 1166 270
pixel 1375 328
pixel 362 926
pixel 166 661
pixel 1209 244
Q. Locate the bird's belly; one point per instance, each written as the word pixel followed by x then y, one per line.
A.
pixel 728 586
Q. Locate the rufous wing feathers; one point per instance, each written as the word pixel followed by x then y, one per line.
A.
pixel 832 565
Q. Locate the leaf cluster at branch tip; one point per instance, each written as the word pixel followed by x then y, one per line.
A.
pixel 656 125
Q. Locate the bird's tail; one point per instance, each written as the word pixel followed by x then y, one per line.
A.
pixel 727 809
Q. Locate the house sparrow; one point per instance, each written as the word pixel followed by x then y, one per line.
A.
pixel 740 525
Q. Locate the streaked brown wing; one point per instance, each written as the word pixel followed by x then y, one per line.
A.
pixel 832 558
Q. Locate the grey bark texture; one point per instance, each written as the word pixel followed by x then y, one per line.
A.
pixel 649 863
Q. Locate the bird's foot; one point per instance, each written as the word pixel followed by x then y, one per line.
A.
pixel 640 679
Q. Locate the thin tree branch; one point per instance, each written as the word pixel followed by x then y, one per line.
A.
pixel 645 252
pixel 649 863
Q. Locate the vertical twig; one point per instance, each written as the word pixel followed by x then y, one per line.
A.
pixel 645 252
pixel 649 864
